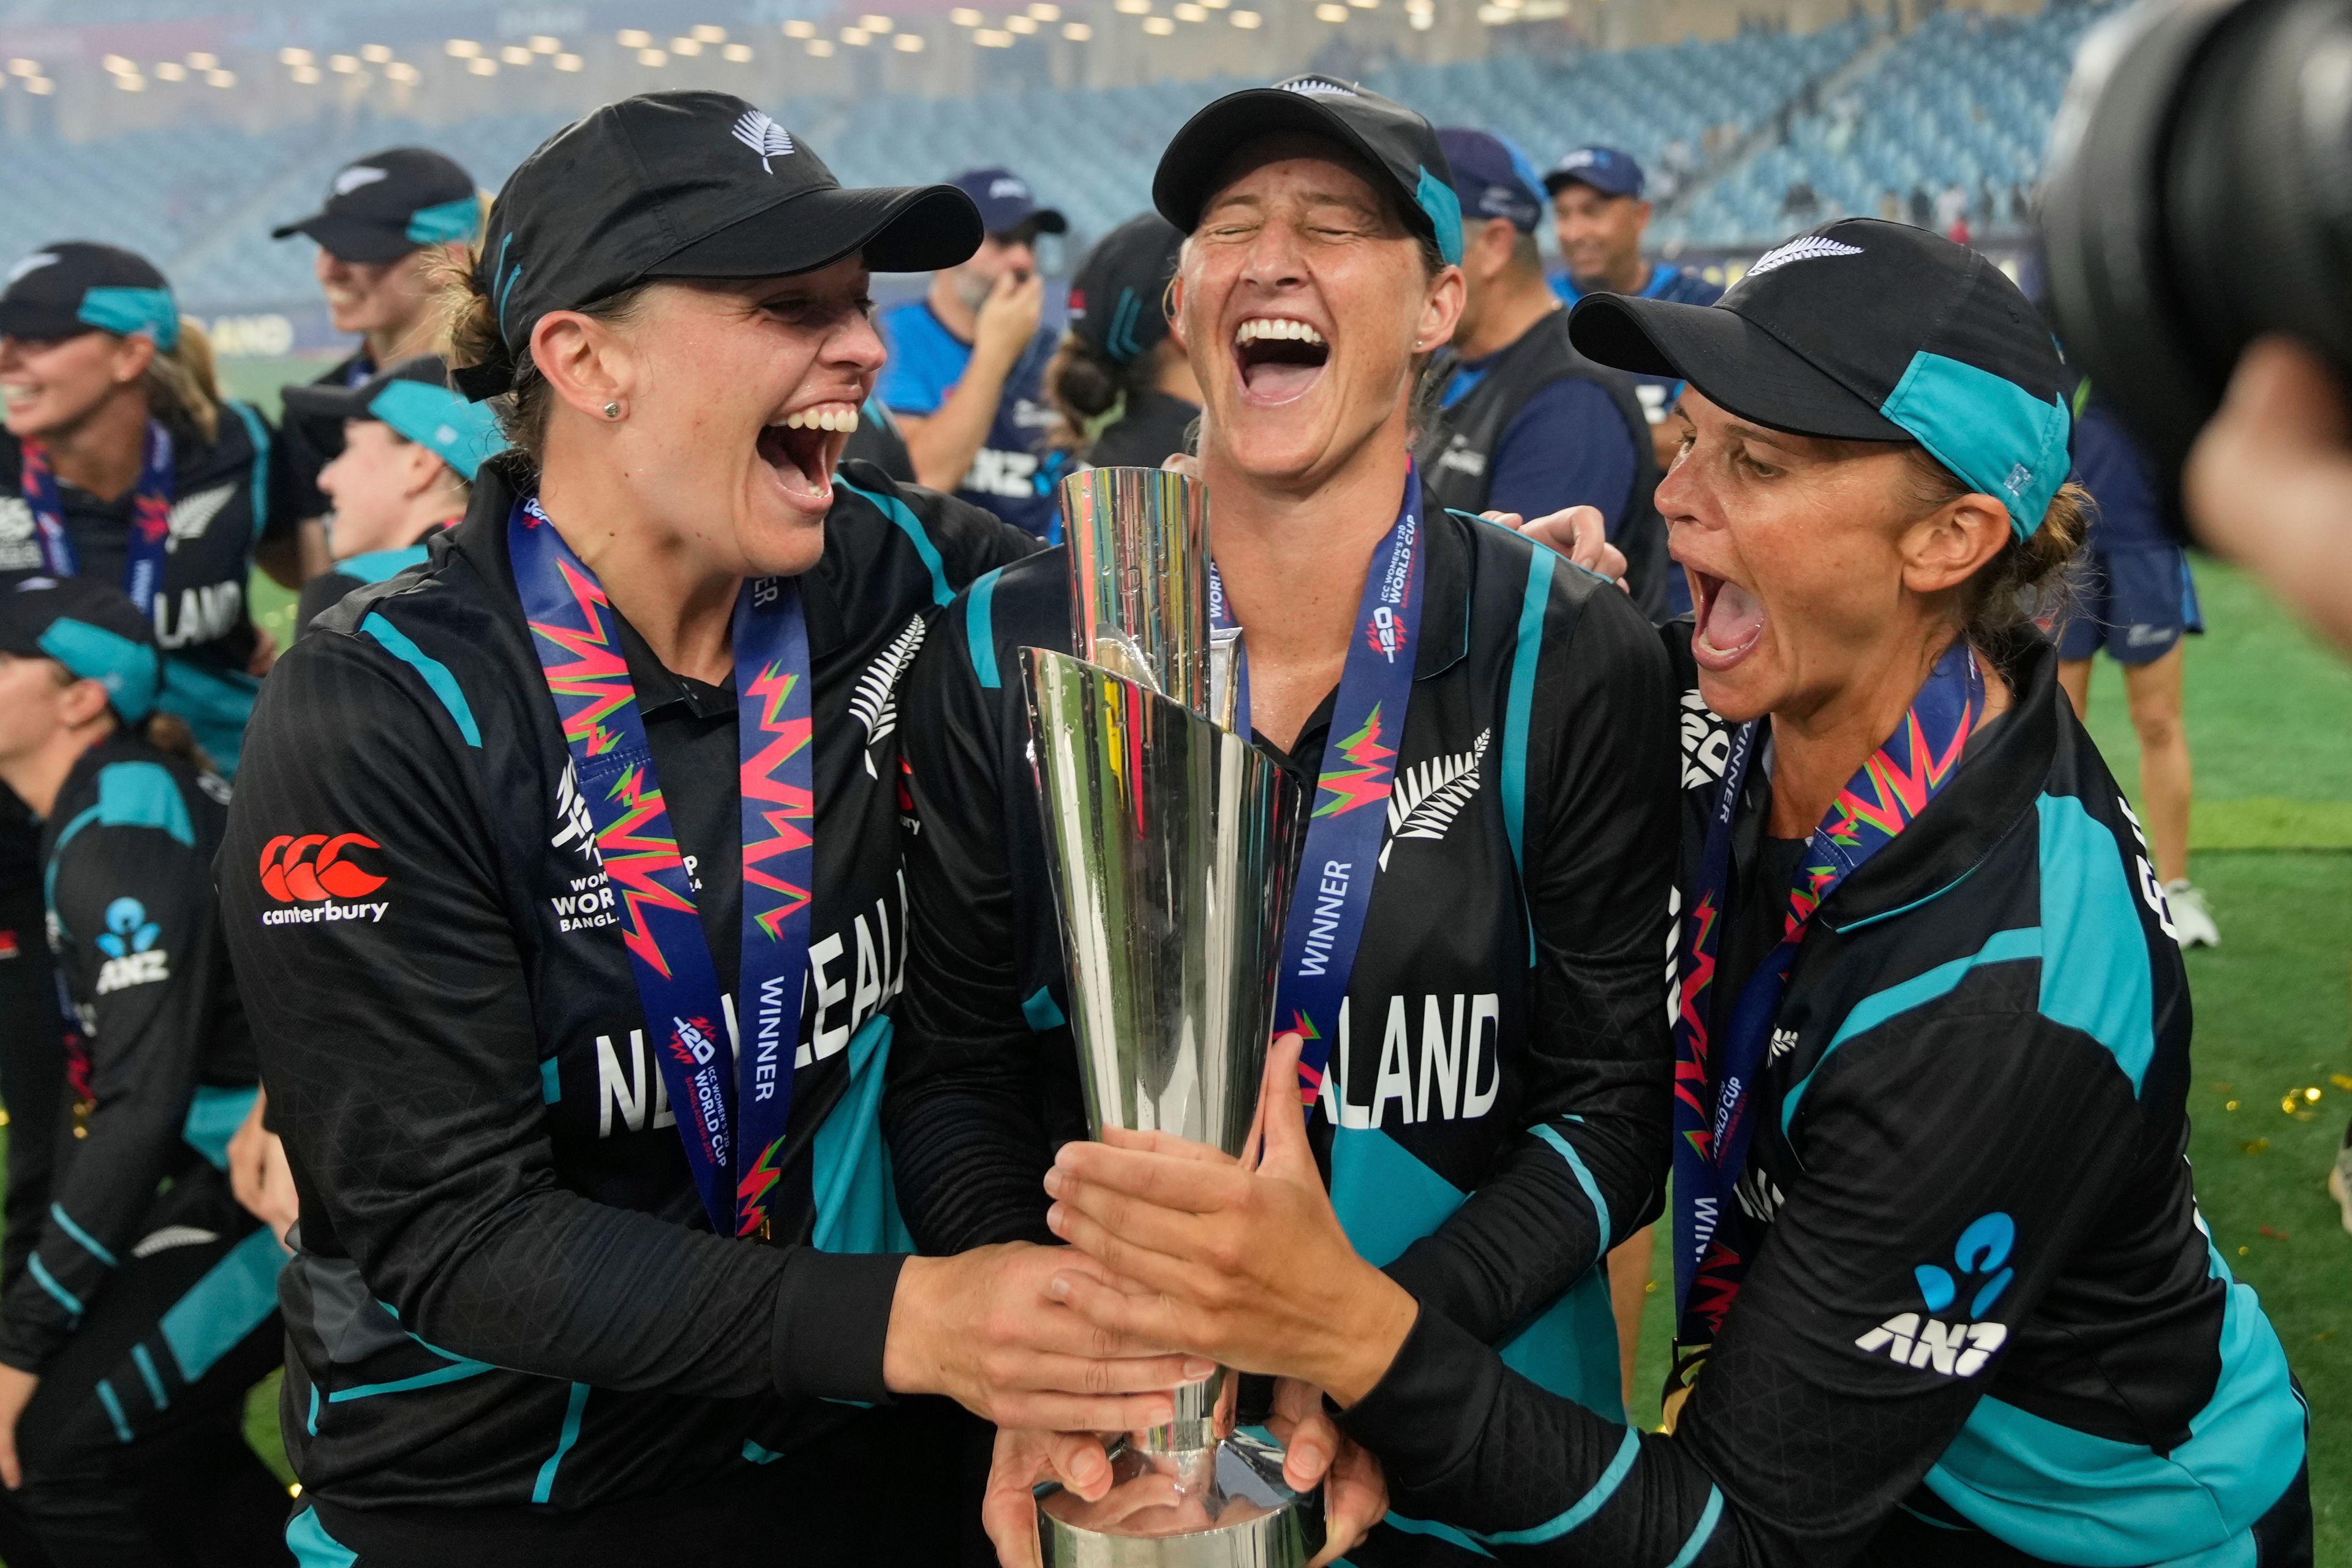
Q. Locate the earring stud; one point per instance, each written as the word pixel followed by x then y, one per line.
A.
pixel 612 410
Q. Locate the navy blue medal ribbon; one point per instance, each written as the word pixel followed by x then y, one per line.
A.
pixel 1343 834
pixel 1715 1090
pixel 151 517
pixel 731 1108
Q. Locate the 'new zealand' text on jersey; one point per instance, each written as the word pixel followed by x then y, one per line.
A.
pixel 1015 470
pixel 1984 1322
pixel 507 1291
pixel 1497 1074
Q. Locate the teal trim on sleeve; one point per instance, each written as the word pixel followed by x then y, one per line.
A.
pixel 1989 430
pixel 257 430
pixel 457 1372
pixel 911 525
pixel 446 223
pixel 756 1455
pixel 2001 947
pixel 1518 714
pixel 980 627
pixel 1586 1506
pixel 214 1113
pixel 544 1487
pixel 1042 1011
pixel 1436 1531
pixel 151 1377
pixel 1583 1179
pixel 90 1243
pixel 48 1281
pixel 2094 966
pixel 1702 1532
pixel 128 669
pixel 311 1424
pixel 106 1396
pixel 313 1547
pixel 235 1297
pixel 551 1081
pixel 143 794
pixel 850 1187
pixel 376 565
pixel 124 311
pixel 437 675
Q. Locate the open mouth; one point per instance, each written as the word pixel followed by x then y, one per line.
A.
pixel 1730 620
pixel 803 448
pixel 1279 357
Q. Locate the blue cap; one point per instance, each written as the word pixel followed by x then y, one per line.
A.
pixel 1605 169
pixel 1005 202
pixel 93 629
pixel 1492 178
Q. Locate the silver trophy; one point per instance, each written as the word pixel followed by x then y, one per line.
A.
pixel 1169 840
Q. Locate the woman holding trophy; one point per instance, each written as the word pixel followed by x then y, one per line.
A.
pixel 1943 1293
pixel 542 826
pixel 1484 738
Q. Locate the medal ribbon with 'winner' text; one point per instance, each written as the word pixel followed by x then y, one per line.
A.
pixel 731 1110
pixel 1343 836
pixel 1715 1091
pixel 151 517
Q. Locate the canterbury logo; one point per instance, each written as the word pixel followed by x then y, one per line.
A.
pixel 311 868
pixel 1812 247
pixel 756 130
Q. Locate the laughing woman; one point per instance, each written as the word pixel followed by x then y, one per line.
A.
pixel 1945 1296
pixel 1499 790
pixel 575 1282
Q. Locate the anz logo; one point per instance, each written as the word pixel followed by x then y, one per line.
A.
pixel 1961 1348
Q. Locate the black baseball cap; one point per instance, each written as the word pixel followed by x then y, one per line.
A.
pixel 1608 170
pixel 1492 178
pixel 1118 298
pixel 413 397
pixel 93 629
pixel 381 207
pixel 73 287
pixel 1005 202
pixel 688 184
pixel 1392 138
pixel 1863 330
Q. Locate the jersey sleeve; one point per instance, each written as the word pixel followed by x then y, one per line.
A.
pixel 282 509
pixel 1600 838
pixel 136 916
pixel 399 1050
pixel 964 1112
pixel 1952 1164
pixel 1569 447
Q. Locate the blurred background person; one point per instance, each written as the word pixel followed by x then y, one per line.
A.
pixel 147 1304
pixel 388 217
pixel 1123 387
pixel 966 376
pixel 1525 424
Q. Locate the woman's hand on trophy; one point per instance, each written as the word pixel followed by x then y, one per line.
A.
pixel 1023 1461
pixel 1249 1266
pixel 1314 1453
pixel 1578 532
pixel 981 1329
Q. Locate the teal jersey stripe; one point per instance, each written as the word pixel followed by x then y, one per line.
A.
pixel 980 628
pixel 1042 1012
pixel 90 1243
pixel 235 1297
pixel 151 1376
pixel 312 1424
pixel 48 1281
pixel 544 1486
pixel 106 1396
pixel 216 1111
pixel 1518 710
pixel 2095 967
pixel 550 1081
pixel 1567 1151
pixel 313 1547
pixel 1701 1531
pixel 1591 1503
pixel 912 527
pixel 1444 1532
pixel 457 1372
pixel 756 1455
pixel 257 430
pixel 376 565
pixel 437 675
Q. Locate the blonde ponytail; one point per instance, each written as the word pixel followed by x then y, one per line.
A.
pixel 182 387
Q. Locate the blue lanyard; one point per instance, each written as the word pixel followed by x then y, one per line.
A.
pixel 1343 839
pixel 1714 1094
pixel 151 517
pixel 731 1123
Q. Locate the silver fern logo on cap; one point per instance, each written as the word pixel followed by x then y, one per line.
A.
pixel 1319 86
pixel 33 263
pixel 1810 247
pixel 756 130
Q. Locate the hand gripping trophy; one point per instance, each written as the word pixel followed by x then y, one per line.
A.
pixel 1169 838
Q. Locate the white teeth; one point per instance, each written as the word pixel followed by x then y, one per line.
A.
pixel 834 416
pixel 1276 326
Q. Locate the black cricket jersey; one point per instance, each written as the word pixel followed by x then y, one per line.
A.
pixel 1499 1071
pixel 507 1292
pixel 325 591
pixel 1985 1324
pixel 314 440
pixel 161 1071
pixel 1153 427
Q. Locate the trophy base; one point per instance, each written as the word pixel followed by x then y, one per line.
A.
pixel 1225 1506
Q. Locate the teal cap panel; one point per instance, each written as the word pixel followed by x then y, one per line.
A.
pixel 463 434
pixel 1989 430
pixel 127 669
pixel 129 311
pixel 446 223
pixel 1436 198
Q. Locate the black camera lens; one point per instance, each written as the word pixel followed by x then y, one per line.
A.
pixel 2199 196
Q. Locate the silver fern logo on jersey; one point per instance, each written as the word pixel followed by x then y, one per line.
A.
pixel 191 515
pixel 874 703
pixel 1429 796
pixel 1806 247
pixel 756 130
